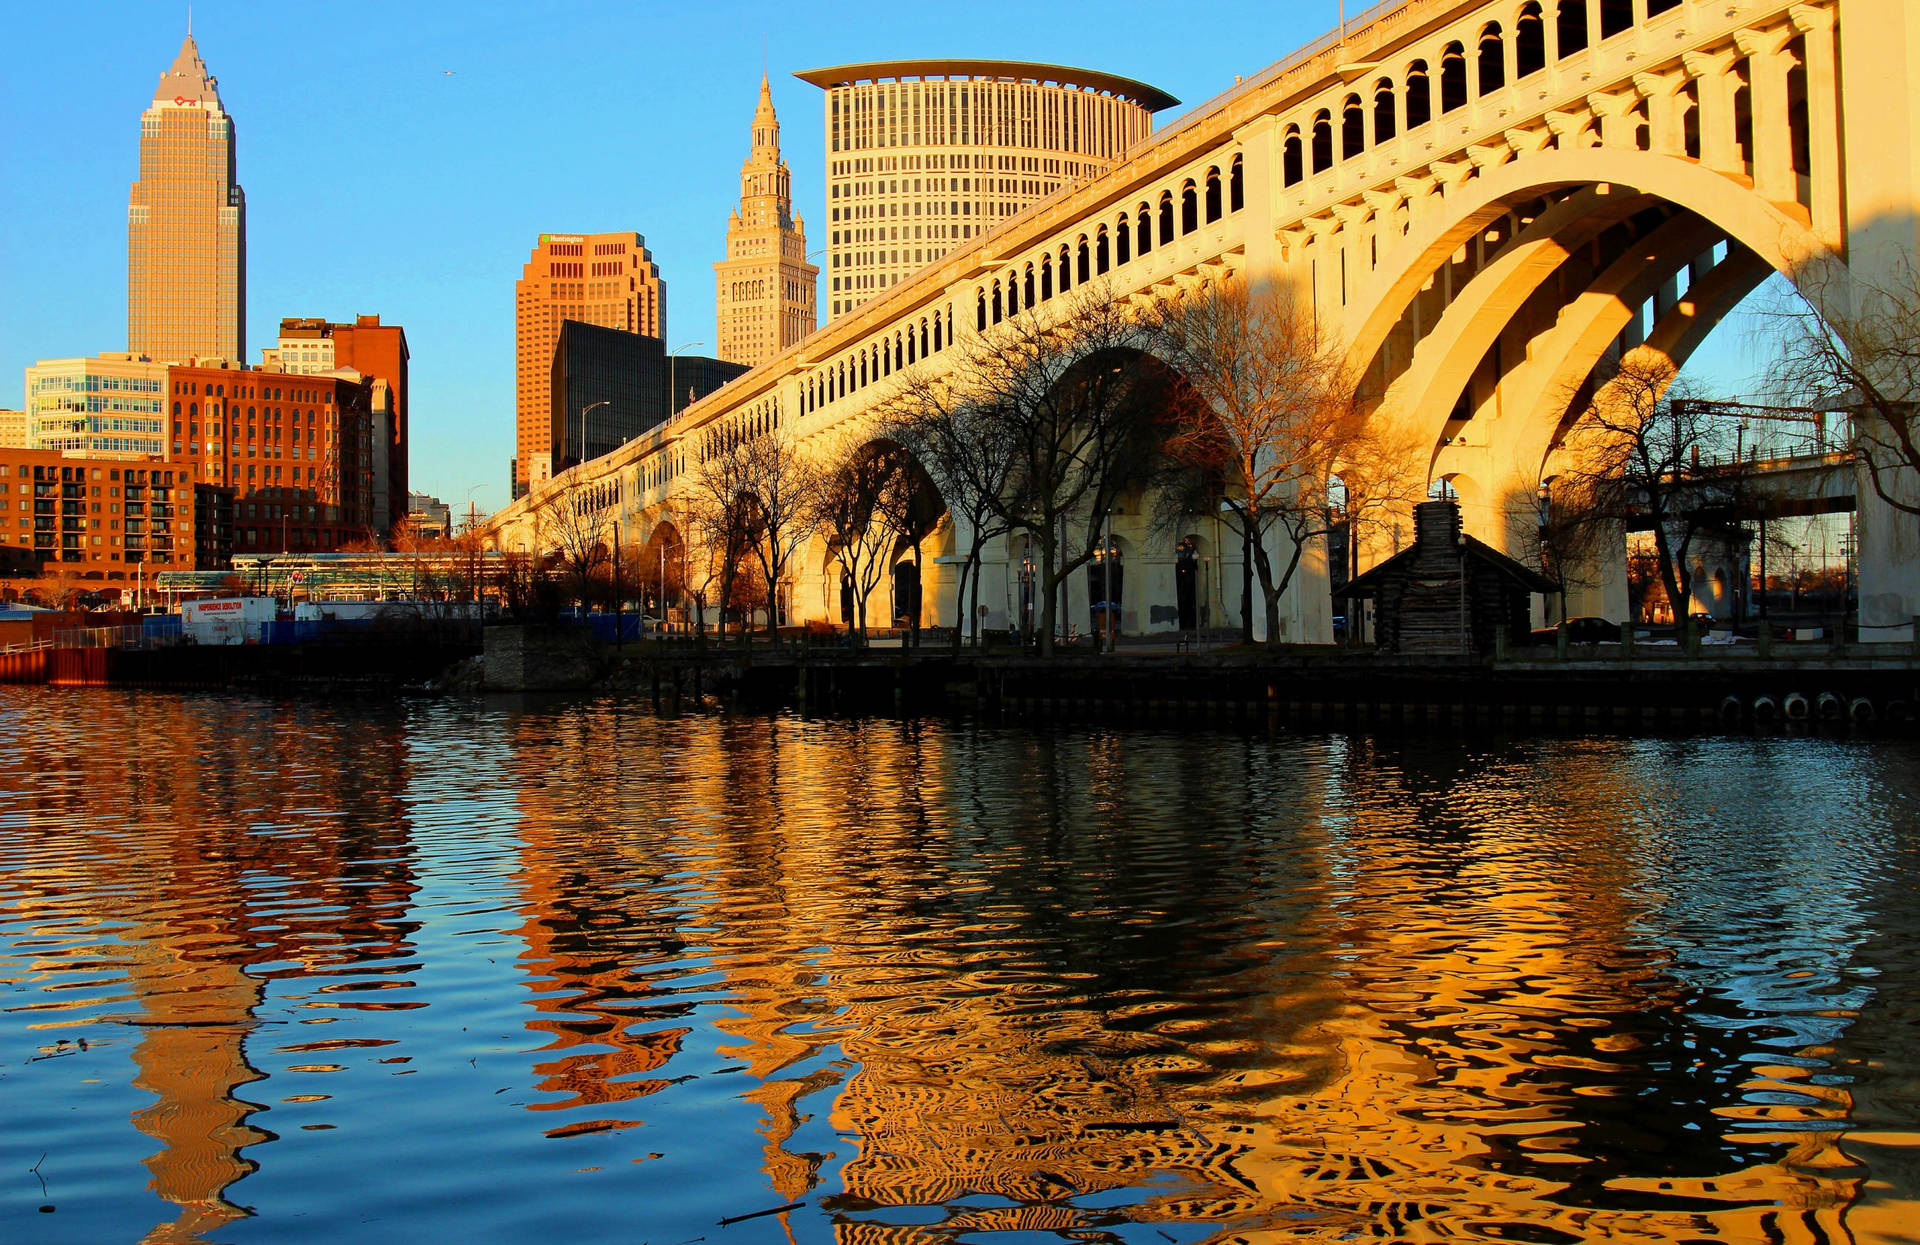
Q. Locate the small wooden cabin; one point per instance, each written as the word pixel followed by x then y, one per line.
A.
pixel 1448 593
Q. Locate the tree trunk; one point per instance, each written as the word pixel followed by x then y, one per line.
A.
pixel 919 595
pixel 772 608
pixel 1047 588
pixel 1246 582
pixel 973 607
pixel 1674 578
pixel 1271 589
pixel 960 604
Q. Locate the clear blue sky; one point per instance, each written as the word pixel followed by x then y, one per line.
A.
pixel 376 182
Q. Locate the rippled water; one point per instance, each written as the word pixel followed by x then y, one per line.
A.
pixel 292 971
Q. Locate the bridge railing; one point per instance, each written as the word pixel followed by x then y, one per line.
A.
pixel 1389 12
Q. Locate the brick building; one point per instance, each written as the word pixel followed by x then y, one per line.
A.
pixel 74 522
pixel 303 456
pixel 312 346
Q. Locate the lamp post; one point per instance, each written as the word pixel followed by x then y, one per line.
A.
pixel 1106 587
pixel 619 590
pixel 583 423
pixel 672 357
pixel 472 538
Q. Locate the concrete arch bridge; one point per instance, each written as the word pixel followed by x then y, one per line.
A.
pixel 1487 200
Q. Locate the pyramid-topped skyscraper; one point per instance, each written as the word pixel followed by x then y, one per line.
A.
pixel 186 224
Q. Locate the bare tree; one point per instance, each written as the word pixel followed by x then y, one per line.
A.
pixel 952 432
pixel 910 506
pixel 1073 407
pixel 1643 452
pixel 783 483
pixel 1865 359
pixel 861 538
pixel 579 527
pixel 1266 430
pixel 719 523
pixel 658 570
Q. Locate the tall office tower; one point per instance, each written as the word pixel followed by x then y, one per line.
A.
pixel 764 288
pixel 186 224
pixel 923 155
pixel 608 279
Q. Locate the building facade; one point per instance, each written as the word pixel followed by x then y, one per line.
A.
pixel 608 279
pixel 186 224
pixel 610 387
pixel 764 290
pixel 69 519
pixel 302 455
pixel 692 377
pixel 924 155
pixel 107 405
pixel 13 430
pixel 431 518
pixel 314 346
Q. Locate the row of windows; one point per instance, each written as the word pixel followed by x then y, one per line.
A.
pixel 1001 114
pixel 101 445
pixel 1132 234
pixel 77 405
pixel 1316 150
pixel 267 393
pixel 96 384
pixel 903 348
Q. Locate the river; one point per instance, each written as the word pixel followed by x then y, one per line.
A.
pixel 306 971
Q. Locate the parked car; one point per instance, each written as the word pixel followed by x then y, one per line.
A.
pixel 1583 630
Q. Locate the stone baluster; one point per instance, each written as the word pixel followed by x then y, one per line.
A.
pixel 1815 23
pixel 1570 129
pixel 1618 126
pixel 1768 63
pixel 1260 179
pixel 1451 174
pixel 1714 85
pixel 1666 111
pixel 1417 190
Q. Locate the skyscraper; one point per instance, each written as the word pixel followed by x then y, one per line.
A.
pixel 923 155
pixel 608 279
pixel 764 288
pixel 186 224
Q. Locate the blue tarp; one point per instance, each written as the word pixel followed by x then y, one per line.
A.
pixel 312 630
pixel 160 627
pixel 603 627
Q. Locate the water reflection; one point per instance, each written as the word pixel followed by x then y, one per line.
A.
pixel 931 981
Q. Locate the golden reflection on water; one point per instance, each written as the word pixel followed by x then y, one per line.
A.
pixel 1252 989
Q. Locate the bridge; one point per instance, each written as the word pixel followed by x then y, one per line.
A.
pixel 1483 199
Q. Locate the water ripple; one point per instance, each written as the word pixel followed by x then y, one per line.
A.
pixel 267 969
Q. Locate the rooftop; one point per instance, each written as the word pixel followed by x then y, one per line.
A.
pixel 1153 99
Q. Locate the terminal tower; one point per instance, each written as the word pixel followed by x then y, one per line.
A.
pixel 764 288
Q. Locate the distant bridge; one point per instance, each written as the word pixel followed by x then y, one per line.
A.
pixel 1486 199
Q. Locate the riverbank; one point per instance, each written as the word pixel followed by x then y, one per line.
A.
pixel 1862 686
pixel 1853 687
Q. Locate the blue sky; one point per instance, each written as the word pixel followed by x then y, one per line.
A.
pixel 378 182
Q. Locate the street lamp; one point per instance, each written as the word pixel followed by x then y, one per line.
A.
pixel 583 424
pixel 471 537
pixel 672 356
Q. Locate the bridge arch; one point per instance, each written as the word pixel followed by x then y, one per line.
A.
pixel 1485 390
pixel 1422 398
pixel 1786 242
